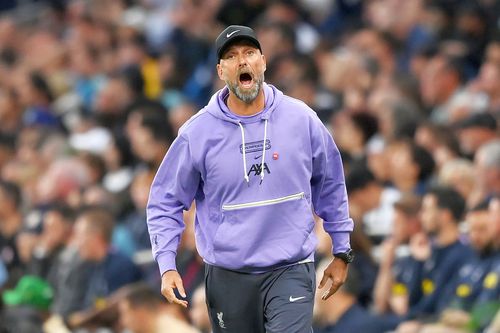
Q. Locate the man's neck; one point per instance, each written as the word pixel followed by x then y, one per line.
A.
pixel 405 184
pixel 240 108
pixel 447 236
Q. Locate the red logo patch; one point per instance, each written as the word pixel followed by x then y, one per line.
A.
pixel 275 156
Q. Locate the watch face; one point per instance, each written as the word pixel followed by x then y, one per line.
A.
pixel 347 257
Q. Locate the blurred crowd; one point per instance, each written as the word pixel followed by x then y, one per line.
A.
pixel 92 93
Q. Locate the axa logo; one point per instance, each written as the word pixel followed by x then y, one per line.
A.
pixel 257 169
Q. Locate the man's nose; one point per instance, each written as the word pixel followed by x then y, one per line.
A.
pixel 242 61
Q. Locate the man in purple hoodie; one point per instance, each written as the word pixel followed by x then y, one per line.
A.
pixel 257 163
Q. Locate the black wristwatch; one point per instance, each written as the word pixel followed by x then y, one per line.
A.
pixel 347 257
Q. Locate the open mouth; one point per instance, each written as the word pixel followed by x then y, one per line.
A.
pixel 246 80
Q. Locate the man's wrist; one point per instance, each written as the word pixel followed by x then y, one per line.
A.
pixel 346 257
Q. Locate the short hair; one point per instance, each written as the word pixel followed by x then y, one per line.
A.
pixel 406 117
pixel 491 153
pixel 159 127
pixel 448 198
pixel 12 191
pixel 67 213
pixel 409 204
pixel 141 295
pixel 359 178
pixel 95 162
pixel 367 124
pixel 99 220
pixel 443 135
pixel 479 120
pixel 40 84
pixel 424 160
pixel 133 78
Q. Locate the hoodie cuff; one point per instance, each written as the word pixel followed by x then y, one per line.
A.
pixel 166 262
pixel 341 242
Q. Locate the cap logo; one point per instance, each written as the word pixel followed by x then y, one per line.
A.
pixel 232 33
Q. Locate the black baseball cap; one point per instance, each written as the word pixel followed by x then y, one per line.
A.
pixel 232 34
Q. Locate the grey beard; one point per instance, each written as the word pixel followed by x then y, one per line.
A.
pixel 247 97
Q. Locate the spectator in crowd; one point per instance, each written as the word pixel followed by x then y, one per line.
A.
pixel 135 222
pixel 487 167
pixel 70 283
pixel 6 149
pixel 474 286
pixel 442 81
pixel 118 159
pixel 36 97
pixel 475 131
pixel 10 227
pixel 397 285
pixel 438 252
pixel 198 312
pixel 371 203
pixel 143 311
pixel 342 313
pixel 459 174
pixel 10 112
pixel 352 133
pixel 486 83
pixel 179 114
pixel 50 244
pixel 27 305
pixel 153 136
pixel 439 141
pixel 411 167
pixel 105 270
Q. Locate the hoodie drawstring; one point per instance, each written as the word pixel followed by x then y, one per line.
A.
pixel 244 153
pixel 262 173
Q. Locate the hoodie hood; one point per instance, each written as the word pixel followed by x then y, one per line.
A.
pixel 218 108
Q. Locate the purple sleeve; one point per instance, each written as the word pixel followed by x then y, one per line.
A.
pixel 329 195
pixel 172 191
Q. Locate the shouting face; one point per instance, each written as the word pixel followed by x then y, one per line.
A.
pixel 242 67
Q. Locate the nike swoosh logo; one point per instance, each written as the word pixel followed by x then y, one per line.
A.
pixel 232 33
pixel 294 299
pixel 257 157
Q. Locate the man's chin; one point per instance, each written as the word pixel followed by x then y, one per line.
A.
pixel 247 95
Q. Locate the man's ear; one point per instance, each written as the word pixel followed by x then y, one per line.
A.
pixel 265 62
pixel 219 72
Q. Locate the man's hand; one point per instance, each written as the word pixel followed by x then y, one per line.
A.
pixel 455 318
pixel 337 272
pixel 420 247
pixel 171 280
pixel 411 326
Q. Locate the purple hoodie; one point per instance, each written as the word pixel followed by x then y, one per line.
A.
pixel 255 181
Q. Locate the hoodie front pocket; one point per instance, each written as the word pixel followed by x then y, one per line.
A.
pixel 264 233
pixel 262 203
